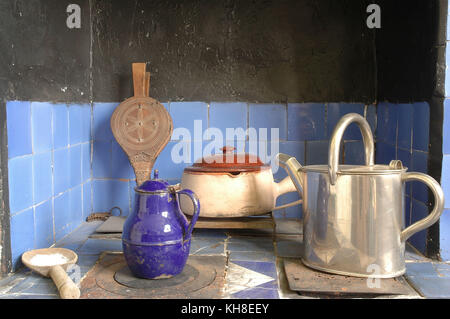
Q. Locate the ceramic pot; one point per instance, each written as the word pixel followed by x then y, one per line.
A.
pixel 233 185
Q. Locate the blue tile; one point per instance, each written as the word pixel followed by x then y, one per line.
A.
pixel 268 117
pixel 102 159
pixel 422 269
pixel 174 158
pixel 42 181
pixel 265 268
pixel 61 173
pixel 209 233
pixel 421 126
pixel 447 79
pixel 120 164
pixel 110 193
pixel 60 125
pixel 20 177
pixel 354 153
pixel 132 195
pixel 316 152
pixel 102 115
pixel 228 115
pixel 96 246
pixel 75 165
pixel 269 285
pixel 250 244
pixel 290 247
pixel 75 123
pixel 19 128
pixel 405 117
pixel 76 206
pixel 61 214
pixel 405 157
pixel 290 212
pixel 442 269
pixel 44 225
pixel 387 123
pixel 444 233
pixel 444 226
pixel 207 246
pixel 87 199
pixel 419 162
pixel 257 293
pixel 371 117
pixel 337 110
pixel 215 146
pixel 185 113
pixel 41 123
pixel 432 287
pixel 252 256
pixel 384 153
pixel 407 211
pixel 419 211
pixel 33 284
pixel 446 127
pixel 86 123
pixel 445 179
pixel 85 161
pixel 306 121
pixel 22 235
pixel 296 149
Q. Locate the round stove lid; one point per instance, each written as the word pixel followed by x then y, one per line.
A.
pixel 228 162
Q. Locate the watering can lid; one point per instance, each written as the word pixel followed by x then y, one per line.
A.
pixel 154 184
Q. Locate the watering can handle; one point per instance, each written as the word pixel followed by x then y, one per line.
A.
pixel 438 204
pixel 336 138
pixel 196 203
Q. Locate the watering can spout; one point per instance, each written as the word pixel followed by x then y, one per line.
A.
pixel 293 168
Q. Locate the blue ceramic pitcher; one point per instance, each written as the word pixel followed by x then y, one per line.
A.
pixel 156 236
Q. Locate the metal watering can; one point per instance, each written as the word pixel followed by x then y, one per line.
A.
pixel 353 222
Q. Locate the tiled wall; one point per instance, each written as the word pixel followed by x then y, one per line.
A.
pixel 55 182
pixel 445 175
pixel 304 131
pixel 403 133
pixel 49 171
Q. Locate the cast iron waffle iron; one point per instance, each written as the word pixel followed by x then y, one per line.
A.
pixel 141 125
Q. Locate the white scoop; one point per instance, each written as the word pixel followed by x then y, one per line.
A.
pixel 53 262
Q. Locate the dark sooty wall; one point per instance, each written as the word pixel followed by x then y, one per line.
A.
pixel 406 50
pixel 260 51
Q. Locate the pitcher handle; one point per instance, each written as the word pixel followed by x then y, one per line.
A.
pixel 438 204
pixel 196 203
pixel 336 138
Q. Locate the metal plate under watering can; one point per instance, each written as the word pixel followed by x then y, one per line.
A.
pixel 141 125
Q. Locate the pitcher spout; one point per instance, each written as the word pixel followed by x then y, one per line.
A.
pixel 293 168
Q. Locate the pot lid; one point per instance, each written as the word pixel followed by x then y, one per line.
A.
pixel 377 169
pixel 228 162
pixel 153 185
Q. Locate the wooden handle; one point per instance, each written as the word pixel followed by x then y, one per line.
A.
pixel 66 287
pixel 139 79
pixel 147 84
